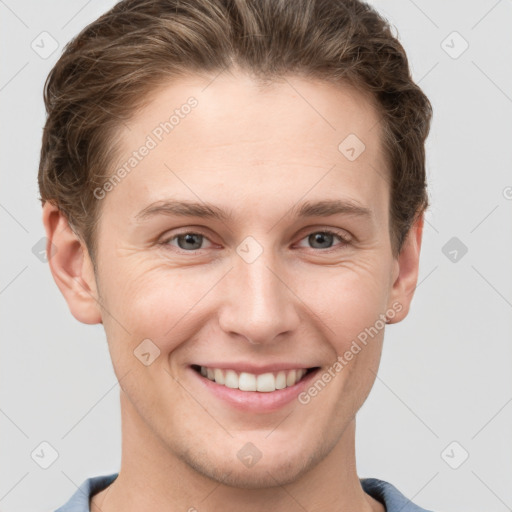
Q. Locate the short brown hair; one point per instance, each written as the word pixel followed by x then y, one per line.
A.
pixel 106 72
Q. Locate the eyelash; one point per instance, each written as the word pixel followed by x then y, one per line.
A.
pixel 345 240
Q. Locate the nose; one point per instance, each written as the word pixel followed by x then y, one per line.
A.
pixel 259 302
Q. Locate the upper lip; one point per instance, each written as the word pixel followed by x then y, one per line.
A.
pixel 254 368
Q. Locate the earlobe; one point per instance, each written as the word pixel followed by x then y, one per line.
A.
pixel 71 266
pixel 407 264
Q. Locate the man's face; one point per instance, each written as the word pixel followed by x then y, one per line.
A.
pixel 259 288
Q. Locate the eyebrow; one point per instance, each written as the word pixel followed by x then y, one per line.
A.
pixel 322 208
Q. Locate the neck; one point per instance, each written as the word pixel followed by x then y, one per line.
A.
pixel 152 477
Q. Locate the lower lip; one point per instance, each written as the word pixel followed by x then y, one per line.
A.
pixel 256 401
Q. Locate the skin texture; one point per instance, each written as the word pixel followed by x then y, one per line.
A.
pixel 255 152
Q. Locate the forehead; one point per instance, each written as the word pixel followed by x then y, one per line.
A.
pixel 223 133
pixel 236 104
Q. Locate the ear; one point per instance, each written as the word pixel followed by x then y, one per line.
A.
pixel 71 266
pixel 406 275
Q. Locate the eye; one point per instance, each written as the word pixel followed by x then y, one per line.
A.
pixel 188 241
pixel 324 239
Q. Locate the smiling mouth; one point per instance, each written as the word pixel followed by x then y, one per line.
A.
pixel 244 381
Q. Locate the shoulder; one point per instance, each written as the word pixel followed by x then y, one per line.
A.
pixel 389 496
pixel 79 501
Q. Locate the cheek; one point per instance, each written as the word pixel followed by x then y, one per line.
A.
pixel 167 305
pixel 152 303
pixel 346 302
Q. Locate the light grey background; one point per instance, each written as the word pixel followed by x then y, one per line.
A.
pixel 446 370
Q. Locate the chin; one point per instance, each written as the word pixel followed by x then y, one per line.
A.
pixel 270 471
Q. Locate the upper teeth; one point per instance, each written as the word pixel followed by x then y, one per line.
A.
pixel 249 382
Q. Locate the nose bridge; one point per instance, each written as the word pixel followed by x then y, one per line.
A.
pixel 258 305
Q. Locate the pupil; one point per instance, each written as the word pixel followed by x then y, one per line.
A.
pixel 189 239
pixel 321 238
